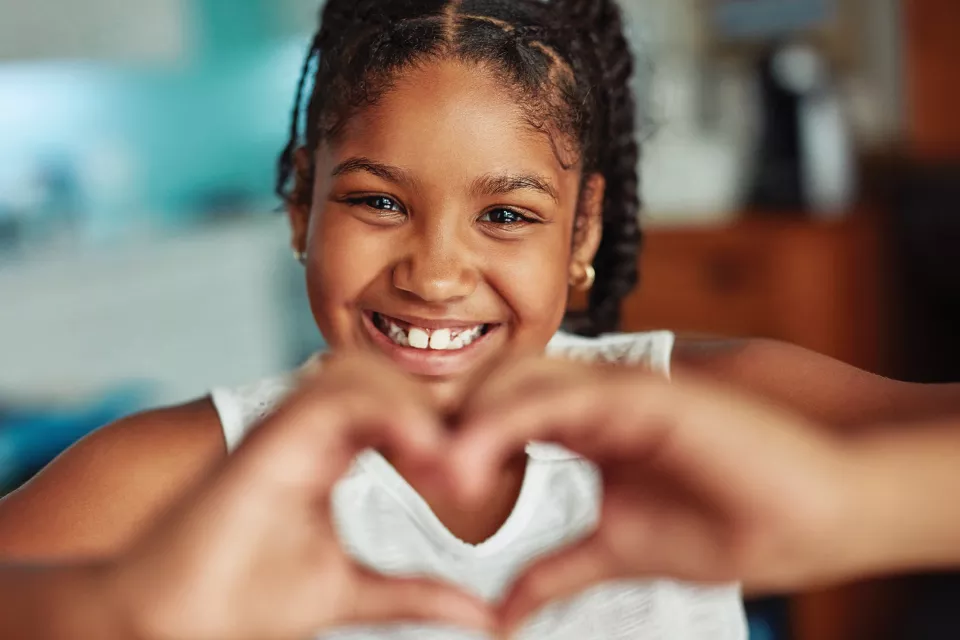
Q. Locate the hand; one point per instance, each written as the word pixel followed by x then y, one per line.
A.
pixel 253 554
pixel 699 484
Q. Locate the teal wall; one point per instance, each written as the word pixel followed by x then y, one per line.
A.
pixel 212 123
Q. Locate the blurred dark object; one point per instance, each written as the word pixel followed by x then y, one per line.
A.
pixel 925 232
pixel 804 159
pixel 777 183
pixel 934 613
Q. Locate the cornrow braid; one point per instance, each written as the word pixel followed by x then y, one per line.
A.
pixel 286 164
pixel 568 59
pixel 618 160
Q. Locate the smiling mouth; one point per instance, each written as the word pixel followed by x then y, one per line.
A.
pixel 410 336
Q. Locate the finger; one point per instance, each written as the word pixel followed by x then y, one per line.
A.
pixel 556 577
pixel 394 422
pixel 389 409
pixel 381 599
pixel 508 382
pixel 314 437
pixel 565 416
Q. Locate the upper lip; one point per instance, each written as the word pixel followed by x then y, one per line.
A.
pixel 431 323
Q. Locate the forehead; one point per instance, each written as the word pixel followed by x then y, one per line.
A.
pixel 448 118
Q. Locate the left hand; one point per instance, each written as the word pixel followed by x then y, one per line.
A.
pixel 253 551
pixel 700 484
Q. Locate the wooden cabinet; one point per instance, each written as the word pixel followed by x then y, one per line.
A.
pixel 812 284
pixel 817 285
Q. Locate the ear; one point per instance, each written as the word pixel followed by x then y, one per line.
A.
pixel 588 227
pixel 298 207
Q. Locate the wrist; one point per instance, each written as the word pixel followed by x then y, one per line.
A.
pixel 903 481
pixel 871 527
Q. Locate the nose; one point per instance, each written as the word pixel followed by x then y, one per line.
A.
pixel 437 268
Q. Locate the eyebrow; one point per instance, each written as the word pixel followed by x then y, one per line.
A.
pixel 488 185
pixel 494 185
pixel 395 175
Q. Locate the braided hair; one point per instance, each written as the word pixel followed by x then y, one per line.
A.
pixel 569 60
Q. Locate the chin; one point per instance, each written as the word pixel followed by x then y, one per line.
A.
pixel 446 396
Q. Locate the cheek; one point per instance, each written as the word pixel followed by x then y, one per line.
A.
pixel 532 278
pixel 345 260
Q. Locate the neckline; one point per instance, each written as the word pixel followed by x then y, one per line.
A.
pixel 531 488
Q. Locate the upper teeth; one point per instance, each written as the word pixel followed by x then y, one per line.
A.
pixel 437 339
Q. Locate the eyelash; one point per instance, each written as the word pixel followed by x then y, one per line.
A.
pixel 369 201
pixel 522 220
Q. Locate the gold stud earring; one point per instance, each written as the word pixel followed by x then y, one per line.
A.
pixel 300 256
pixel 590 278
pixel 586 280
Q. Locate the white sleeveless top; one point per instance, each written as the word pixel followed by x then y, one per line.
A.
pixel 385 524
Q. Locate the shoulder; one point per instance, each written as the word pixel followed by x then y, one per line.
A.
pixel 172 435
pixel 239 409
pixel 195 422
pixel 100 492
pixel 649 349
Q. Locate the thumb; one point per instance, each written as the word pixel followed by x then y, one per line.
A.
pixel 381 599
pixel 556 577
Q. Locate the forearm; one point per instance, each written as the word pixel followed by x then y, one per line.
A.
pixel 909 518
pixel 54 603
pixel 824 390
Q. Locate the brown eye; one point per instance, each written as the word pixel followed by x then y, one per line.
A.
pixel 505 217
pixel 380 203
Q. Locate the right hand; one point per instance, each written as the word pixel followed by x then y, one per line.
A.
pixel 699 483
pixel 253 555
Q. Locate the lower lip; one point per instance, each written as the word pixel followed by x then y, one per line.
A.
pixel 430 362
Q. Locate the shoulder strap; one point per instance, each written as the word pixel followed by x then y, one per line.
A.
pixel 652 349
pixel 243 408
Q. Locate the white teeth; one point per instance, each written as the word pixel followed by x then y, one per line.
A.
pixel 397 334
pixel 466 338
pixel 440 339
pixel 437 340
pixel 418 338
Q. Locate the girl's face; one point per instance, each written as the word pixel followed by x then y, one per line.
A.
pixel 441 232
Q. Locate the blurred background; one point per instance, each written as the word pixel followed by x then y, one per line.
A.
pixel 799 179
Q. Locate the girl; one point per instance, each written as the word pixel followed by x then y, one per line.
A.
pixel 462 163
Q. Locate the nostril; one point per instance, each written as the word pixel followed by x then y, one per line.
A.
pixel 434 277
